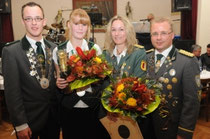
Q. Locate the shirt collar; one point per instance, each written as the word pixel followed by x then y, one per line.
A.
pixel 120 55
pixel 165 52
pixel 70 49
pixel 33 42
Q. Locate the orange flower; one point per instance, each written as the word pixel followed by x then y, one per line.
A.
pixel 86 68
pixel 120 88
pixel 131 102
pixel 131 97
pixel 122 96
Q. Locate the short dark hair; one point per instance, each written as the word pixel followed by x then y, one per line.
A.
pixel 208 45
pixel 31 4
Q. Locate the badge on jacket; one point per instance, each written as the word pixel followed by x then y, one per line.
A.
pixel 143 65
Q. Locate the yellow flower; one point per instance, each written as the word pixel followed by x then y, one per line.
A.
pixel 98 60
pixel 122 96
pixel 77 59
pixel 120 88
pixel 131 102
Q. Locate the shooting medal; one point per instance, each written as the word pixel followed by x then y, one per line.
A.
pixel 44 82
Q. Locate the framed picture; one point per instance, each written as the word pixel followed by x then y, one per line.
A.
pixel 100 11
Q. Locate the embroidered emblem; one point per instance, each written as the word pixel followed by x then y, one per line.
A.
pixel 143 65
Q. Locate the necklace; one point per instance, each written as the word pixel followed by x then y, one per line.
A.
pixel 35 64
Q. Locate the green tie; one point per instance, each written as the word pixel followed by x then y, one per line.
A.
pixel 159 56
pixel 40 53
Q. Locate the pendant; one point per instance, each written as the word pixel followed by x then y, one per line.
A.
pixel 44 82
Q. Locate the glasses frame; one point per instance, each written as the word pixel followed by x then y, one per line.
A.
pixel 162 34
pixel 36 19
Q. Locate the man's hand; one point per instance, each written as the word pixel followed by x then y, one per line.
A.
pixel 24 134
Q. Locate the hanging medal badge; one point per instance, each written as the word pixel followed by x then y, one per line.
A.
pixel 44 82
pixel 39 62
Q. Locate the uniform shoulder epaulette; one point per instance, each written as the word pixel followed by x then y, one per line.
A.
pixel 10 43
pixel 186 53
pixel 150 50
pixel 139 46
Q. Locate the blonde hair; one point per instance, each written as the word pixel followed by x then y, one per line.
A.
pixel 84 19
pixel 161 20
pixel 130 35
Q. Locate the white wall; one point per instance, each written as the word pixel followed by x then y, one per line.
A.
pixel 203 24
pixel 140 9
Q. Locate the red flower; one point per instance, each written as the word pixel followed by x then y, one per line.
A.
pixel 84 68
pixel 141 88
pixel 70 78
pixel 97 69
pixel 139 99
pixel 80 53
pixel 79 63
pixel 91 54
pixel 89 70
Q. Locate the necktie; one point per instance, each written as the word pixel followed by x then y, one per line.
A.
pixel 40 53
pixel 157 65
pixel 159 56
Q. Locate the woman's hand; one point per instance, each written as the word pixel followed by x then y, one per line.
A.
pixel 112 116
pixel 61 83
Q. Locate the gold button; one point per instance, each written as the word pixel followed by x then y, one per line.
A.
pixel 169 87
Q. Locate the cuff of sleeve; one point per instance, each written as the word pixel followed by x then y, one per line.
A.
pixel 21 127
pixel 187 133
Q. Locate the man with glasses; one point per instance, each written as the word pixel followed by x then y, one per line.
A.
pixel 178 72
pixel 28 71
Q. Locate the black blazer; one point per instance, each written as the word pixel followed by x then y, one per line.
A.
pixel 26 100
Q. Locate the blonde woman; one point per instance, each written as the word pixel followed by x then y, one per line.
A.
pixel 79 108
pixel 123 52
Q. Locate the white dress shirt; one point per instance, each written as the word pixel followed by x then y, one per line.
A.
pixel 120 55
pixel 164 53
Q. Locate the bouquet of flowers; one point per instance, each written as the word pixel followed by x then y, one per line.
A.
pixel 132 96
pixel 85 68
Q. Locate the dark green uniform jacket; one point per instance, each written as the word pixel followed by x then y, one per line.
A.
pixel 178 111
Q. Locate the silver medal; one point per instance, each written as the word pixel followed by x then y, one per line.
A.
pixel 172 72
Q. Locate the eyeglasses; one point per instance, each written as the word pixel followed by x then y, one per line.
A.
pixel 30 19
pixel 162 34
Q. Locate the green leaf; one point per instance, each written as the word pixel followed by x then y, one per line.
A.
pixel 82 83
pixel 151 107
